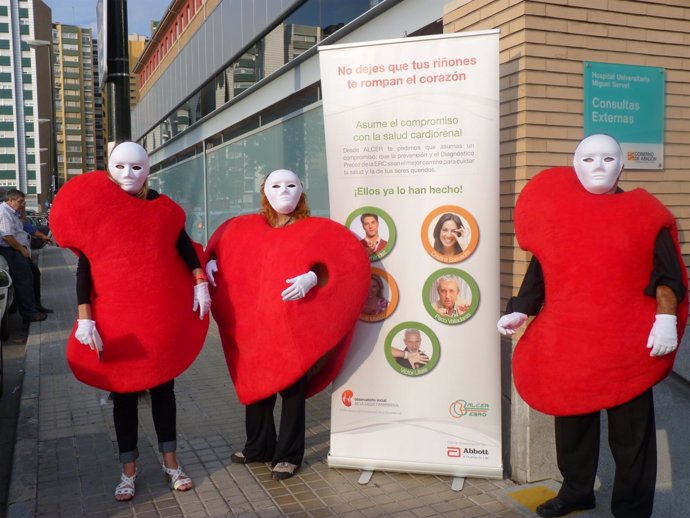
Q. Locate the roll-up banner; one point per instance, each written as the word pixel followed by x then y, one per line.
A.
pixel 412 143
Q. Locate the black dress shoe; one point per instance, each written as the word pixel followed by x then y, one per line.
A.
pixel 35 317
pixel 240 458
pixel 557 507
pixel 44 309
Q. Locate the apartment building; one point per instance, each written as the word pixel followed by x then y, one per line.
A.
pixel 25 108
pixel 135 45
pixel 75 100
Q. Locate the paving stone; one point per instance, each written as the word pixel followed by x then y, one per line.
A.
pixel 69 451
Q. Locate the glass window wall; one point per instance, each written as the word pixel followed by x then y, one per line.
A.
pixel 298 32
pixel 184 183
pixel 235 170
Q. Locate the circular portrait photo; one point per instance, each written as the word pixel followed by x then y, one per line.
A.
pixel 382 298
pixel 450 234
pixel 412 349
pixel 375 230
pixel 451 296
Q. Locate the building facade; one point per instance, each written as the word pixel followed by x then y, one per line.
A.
pixel 75 100
pixel 230 93
pixel 135 45
pixel 98 112
pixel 25 99
pixel 543 48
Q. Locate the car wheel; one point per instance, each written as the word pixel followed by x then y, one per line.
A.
pixel 5 326
pixel 2 373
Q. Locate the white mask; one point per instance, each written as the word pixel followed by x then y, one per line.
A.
pixel 129 166
pixel 283 190
pixel 598 163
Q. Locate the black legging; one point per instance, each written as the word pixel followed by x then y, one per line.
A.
pixel 126 419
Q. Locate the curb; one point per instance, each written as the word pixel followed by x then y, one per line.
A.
pixel 21 498
pixel 21 501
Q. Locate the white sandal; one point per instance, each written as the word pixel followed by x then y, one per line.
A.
pixel 177 478
pixel 126 487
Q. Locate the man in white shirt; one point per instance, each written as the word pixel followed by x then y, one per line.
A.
pixel 18 255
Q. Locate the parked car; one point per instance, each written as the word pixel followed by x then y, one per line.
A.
pixel 6 298
pixel 40 221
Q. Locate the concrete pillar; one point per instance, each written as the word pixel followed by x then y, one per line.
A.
pixel 528 440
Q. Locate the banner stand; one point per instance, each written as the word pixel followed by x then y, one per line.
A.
pixel 412 146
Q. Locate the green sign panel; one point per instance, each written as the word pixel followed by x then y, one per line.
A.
pixel 627 102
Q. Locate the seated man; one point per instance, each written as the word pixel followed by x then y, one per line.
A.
pixel 14 248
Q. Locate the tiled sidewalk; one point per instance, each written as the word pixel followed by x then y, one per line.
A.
pixel 65 462
pixel 66 455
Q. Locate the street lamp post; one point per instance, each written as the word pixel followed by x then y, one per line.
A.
pixel 112 38
pixel 36 44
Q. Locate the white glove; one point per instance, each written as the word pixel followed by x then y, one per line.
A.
pixel 87 334
pixel 202 299
pixel 663 339
pixel 508 324
pixel 300 286
pixel 211 268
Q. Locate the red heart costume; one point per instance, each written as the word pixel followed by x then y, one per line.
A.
pixel 142 289
pixel 270 343
pixel 586 349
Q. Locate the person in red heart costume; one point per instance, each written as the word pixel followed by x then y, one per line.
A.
pixel 608 286
pixel 136 274
pixel 288 340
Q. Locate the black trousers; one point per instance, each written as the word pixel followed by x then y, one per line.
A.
pixel 632 438
pixel 22 272
pixel 126 417
pixel 262 443
pixel 37 282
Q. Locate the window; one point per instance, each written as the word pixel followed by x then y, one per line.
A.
pixel 300 31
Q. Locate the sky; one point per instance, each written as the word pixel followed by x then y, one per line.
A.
pixel 83 13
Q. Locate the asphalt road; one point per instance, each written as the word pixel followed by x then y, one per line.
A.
pixel 13 352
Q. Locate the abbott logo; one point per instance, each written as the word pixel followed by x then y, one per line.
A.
pixel 454 451
pixel 346 397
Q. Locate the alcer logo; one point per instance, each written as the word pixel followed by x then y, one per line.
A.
pixel 346 397
pixel 461 407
